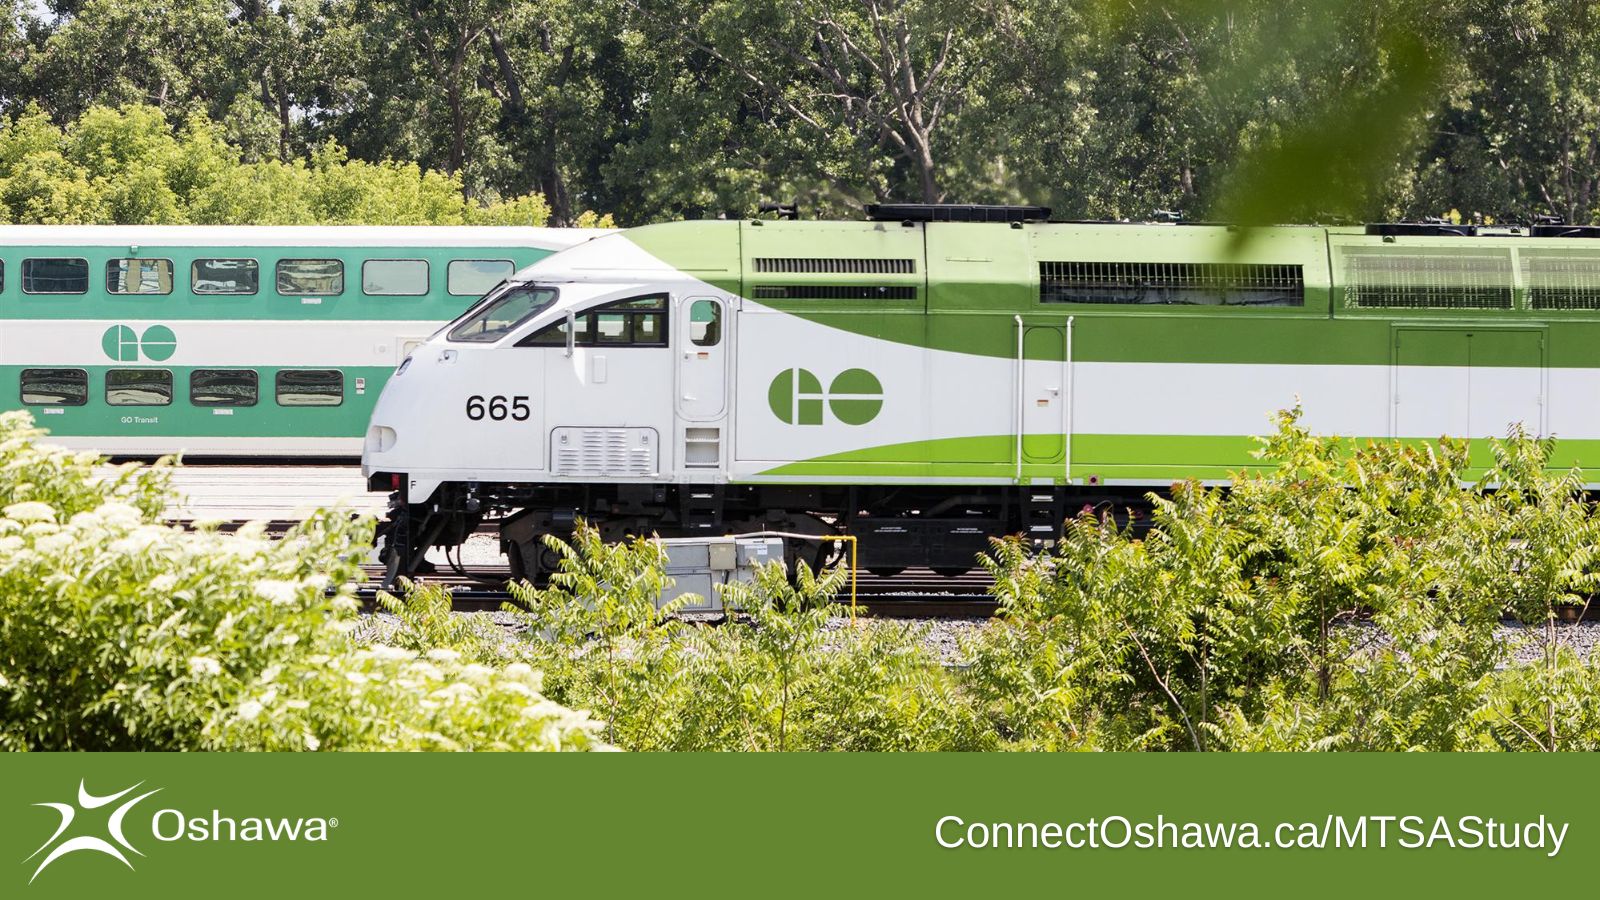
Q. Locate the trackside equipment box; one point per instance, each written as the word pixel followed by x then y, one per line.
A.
pixel 700 565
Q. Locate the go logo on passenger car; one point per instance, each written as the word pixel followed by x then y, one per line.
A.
pixel 855 397
pixel 158 343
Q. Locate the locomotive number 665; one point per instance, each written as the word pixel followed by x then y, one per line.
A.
pixel 495 408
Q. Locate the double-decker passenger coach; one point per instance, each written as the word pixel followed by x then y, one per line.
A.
pixel 231 341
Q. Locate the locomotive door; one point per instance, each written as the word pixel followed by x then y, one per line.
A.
pixel 1044 400
pixel 701 349
pixel 702 358
pixel 1468 382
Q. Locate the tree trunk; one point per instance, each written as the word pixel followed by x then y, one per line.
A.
pixel 283 121
pixel 552 183
pixel 458 131
pixel 926 172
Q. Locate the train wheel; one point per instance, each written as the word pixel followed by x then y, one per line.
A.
pixel 951 571
pixel 886 571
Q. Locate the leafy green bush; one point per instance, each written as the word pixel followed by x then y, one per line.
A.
pixel 1234 623
pixel 1342 597
pixel 121 633
pixel 424 619
pixel 771 678
pixel 385 698
pixel 128 166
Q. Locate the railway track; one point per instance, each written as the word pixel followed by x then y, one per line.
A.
pixel 911 595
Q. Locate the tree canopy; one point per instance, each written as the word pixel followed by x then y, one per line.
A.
pixel 454 110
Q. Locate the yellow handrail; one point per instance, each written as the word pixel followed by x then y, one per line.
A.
pixel 819 538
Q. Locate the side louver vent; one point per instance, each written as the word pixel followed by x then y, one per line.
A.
pixel 1182 284
pixel 835 292
pixel 1561 282
pixel 604 451
pixel 835 266
pixel 1427 281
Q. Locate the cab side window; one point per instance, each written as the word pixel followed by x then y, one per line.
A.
pixel 635 322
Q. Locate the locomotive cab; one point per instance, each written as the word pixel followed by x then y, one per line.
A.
pixel 555 379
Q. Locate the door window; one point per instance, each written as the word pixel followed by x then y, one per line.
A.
pixel 705 323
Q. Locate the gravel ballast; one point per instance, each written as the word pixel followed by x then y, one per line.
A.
pixel 942 637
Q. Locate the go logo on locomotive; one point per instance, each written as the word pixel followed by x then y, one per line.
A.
pixel 855 397
pixel 158 343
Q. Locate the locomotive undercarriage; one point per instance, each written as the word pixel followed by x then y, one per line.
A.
pixel 939 527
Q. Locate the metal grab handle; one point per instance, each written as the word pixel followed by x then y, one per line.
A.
pixel 1021 387
pixel 1070 400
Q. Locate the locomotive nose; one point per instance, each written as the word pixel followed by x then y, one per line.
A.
pixel 384 428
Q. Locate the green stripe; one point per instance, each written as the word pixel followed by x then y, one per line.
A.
pixel 1238 340
pixel 180 419
pixel 1104 457
pixel 266 304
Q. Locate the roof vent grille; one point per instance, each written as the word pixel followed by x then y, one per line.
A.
pixel 1562 282
pixel 1427 281
pixel 835 266
pixel 1172 283
pixel 835 292
pixel 954 212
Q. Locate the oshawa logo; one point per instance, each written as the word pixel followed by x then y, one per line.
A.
pixel 88 801
pixel 855 397
pixel 166 825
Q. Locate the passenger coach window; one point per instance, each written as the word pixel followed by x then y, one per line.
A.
pixel 394 277
pixel 55 276
pixel 500 313
pixel 474 277
pixel 223 387
pixel 55 387
pixel 139 276
pixel 225 276
pixel 310 387
pixel 639 322
pixel 705 323
pixel 310 276
pixel 138 387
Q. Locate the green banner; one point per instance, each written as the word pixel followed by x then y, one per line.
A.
pixel 788 825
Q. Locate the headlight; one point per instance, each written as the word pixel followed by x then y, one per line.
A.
pixel 380 438
pixel 402 370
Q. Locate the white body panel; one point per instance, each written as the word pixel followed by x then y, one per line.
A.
pixel 123 445
pixel 76 342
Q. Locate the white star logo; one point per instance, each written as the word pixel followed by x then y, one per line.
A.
pixel 87 800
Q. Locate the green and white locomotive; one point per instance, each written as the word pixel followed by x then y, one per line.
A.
pixel 231 341
pixel 941 374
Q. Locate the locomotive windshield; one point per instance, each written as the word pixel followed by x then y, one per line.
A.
pixel 497 316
